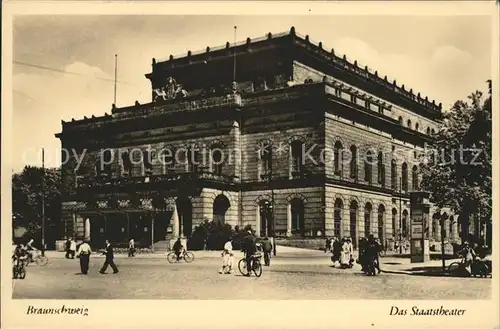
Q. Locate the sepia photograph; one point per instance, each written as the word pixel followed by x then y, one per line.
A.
pixel 251 157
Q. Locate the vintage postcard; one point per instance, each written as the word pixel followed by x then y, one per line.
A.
pixel 239 164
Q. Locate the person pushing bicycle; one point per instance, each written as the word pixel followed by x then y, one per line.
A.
pixel 249 248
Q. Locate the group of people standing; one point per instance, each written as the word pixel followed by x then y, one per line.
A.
pixel 84 252
pixel 342 252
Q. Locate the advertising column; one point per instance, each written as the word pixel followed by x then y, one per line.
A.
pixel 419 221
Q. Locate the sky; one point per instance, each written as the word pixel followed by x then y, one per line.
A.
pixel 443 57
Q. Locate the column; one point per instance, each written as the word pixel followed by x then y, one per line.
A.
pixel 288 219
pixel 73 227
pixel 237 152
pixel 86 231
pixel 175 222
pixel 454 230
pixel 257 221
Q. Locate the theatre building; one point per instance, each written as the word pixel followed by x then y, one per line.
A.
pixel 277 132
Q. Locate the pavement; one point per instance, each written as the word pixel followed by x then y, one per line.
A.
pixel 293 274
pixel 394 264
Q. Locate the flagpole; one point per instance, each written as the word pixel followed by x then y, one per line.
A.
pixel 234 55
pixel 116 68
pixel 43 201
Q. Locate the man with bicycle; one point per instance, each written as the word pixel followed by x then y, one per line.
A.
pixel 249 248
pixel 19 257
pixel 178 247
pixel 30 250
pixel 373 249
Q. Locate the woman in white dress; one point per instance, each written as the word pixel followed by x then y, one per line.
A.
pixel 345 256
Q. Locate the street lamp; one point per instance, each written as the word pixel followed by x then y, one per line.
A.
pixel 400 218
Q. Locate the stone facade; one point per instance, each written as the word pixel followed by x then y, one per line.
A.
pixel 284 149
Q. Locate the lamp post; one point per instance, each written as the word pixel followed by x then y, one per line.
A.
pixel 43 202
pixel 400 218
pixel 441 221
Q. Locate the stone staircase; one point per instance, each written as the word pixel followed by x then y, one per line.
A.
pixel 161 246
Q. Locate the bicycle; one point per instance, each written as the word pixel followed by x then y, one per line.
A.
pixel 478 267
pixel 37 258
pixel 19 269
pixel 256 265
pixel 186 255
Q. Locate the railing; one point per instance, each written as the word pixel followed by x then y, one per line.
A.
pixel 85 182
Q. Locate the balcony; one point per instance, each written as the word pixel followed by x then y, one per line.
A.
pixel 167 179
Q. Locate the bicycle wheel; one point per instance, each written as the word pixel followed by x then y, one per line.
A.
pixel 242 266
pixel 188 257
pixel 257 268
pixel 41 260
pixel 454 268
pixel 171 257
pixel 22 273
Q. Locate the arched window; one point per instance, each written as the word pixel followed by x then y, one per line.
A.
pixel 380 217
pixel 409 123
pixel 414 178
pixel 381 169
pixel 404 177
pixel 428 131
pixel 394 175
pixel 217 158
pixel 147 160
pixel 393 222
pixel 337 217
pixel 220 207
pixel 400 119
pixel 433 131
pixel 451 227
pixel 337 157
pixel 369 167
pixel 265 160
pixel 353 221
pixel 193 158
pixel 103 167
pixel 416 126
pixel 405 227
pixel 434 228
pixel 297 159
pixel 354 162
pixel 126 164
pixel 368 219
pixel 167 159
pixel 297 206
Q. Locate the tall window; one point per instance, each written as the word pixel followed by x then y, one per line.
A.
pixel 394 216
pixel 354 162
pixel 428 131
pixel 217 157
pixel 369 167
pixel 337 157
pixel 416 126
pixel 380 215
pixel 404 177
pixel 381 169
pixel 147 160
pixel 404 229
pixel 126 164
pixel 266 160
pixel 414 178
pixel 368 219
pixel 394 175
pixel 193 158
pixel 337 218
pixel 400 119
pixel 353 221
pixel 297 160
pixel 409 123
pixel 298 227
pixel 167 159
pixel 103 165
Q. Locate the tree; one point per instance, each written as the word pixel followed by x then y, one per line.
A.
pixel 457 167
pixel 27 201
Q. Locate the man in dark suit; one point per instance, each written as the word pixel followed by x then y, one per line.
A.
pixel 109 259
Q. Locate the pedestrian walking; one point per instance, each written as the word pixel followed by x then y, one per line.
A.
pixel 84 252
pixel 72 248
pixel 108 251
pixel 336 251
pixel 131 248
pixel 328 244
pixel 68 244
pixel 267 248
pixel 227 258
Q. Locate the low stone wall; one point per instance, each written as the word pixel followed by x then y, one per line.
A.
pixel 315 244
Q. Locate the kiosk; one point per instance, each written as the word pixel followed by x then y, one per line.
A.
pixel 419 219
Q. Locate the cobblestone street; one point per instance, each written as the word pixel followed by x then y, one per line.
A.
pixel 287 278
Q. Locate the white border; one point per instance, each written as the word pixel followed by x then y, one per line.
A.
pixel 276 314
